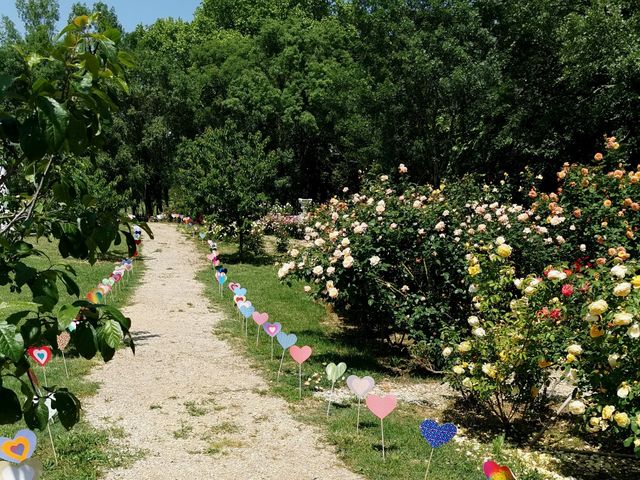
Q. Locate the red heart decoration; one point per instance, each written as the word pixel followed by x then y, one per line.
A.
pixel 41 355
pixel 495 471
pixel 300 354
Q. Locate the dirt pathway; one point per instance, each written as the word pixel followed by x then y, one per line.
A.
pixel 187 399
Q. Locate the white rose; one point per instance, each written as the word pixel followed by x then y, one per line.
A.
pixel 331 270
pixel 619 271
pixel 375 260
pixel 440 226
pixel 500 240
pixel 574 349
pixel 613 360
pixel 622 319
pixel 479 332
pixel 473 321
pixel 622 289
pixel 634 331
pixel 333 292
pixel 623 391
pixel 307 288
pixel 458 370
pixel 576 407
pixel 317 271
pixel 447 352
pixel 295 253
pixel 347 262
pixel 345 242
pixel 556 275
pixel 467 382
pixel 319 242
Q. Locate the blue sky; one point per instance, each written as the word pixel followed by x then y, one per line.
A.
pixel 130 12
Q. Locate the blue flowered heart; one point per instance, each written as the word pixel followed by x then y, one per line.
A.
pixel 286 341
pixel 247 311
pixel 240 292
pixel 437 435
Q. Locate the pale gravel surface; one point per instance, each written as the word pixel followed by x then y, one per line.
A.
pixel 184 382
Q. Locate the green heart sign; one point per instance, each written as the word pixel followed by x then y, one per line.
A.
pixel 334 372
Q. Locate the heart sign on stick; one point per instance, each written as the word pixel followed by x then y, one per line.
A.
pixel 495 471
pixel 360 387
pixel 286 341
pixel 300 355
pixel 18 448
pixel 436 435
pixel 28 470
pixel 272 329
pixel 260 319
pixel 240 292
pixel 381 407
pixel 41 355
pixel 334 372
pixel 63 340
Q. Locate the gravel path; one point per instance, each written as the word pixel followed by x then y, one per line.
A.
pixel 192 404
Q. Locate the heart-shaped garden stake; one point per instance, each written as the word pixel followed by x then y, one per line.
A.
pixel 360 387
pixel 286 341
pixel 28 470
pixel 41 355
pixel 260 319
pixel 436 435
pixel 272 329
pixel 211 257
pixel 240 291
pixel 233 285
pixel 300 355
pixel 334 372
pixel 381 407
pixel 18 448
pixel 495 471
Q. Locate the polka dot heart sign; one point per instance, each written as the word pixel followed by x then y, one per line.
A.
pixel 436 435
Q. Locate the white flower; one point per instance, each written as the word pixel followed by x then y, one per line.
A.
pixel 634 331
pixel 619 271
pixel 345 242
pixel 473 321
pixel 331 270
pixel 583 247
pixel 623 391
pixel 467 383
pixel 294 252
pixel 479 332
pixel 317 271
pixel 319 242
pixel 556 275
pixel 380 207
pixel 523 217
pixel 500 240
pixel 307 288
pixel 622 289
pixel 447 352
pixel 384 178
pixel 404 289
pixel 347 262
pixel 574 349
pixel 622 319
pixel 333 292
pixel 375 260
pixel 576 407
pixel 473 288
pixel 440 226
pixel 333 236
pixel 417 204
pixel 458 370
pixel 402 169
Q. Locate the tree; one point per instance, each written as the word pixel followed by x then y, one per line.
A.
pixel 107 17
pixel 226 173
pixel 45 121
pixel 39 18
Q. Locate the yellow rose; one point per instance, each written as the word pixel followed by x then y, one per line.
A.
pixel 622 419
pixel 635 281
pixel 489 370
pixel 571 358
pixel 607 411
pixel 474 270
pixel 595 331
pixel 622 318
pixel 598 307
pixel 458 370
pixel 504 250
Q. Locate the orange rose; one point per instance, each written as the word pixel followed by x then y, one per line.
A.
pixel 598 157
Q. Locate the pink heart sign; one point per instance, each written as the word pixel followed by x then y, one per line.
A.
pixel 211 257
pixel 239 299
pixel 300 354
pixel 360 387
pixel 381 406
pixel 41 355
pixel 260 318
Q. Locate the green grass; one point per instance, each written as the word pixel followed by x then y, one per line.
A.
pixel 407 452
pixel 84 451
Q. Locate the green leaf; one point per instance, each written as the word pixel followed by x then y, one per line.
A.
pixel 56 119
pixel 10 408
pixel 11 343
pixel 32 139
pixel 36 415
pixel 66 314
pixel 117 315
pixel 84 338
pixel 110 333
pixel 68 407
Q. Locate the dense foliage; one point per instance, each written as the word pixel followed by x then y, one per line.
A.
pixel 53 109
